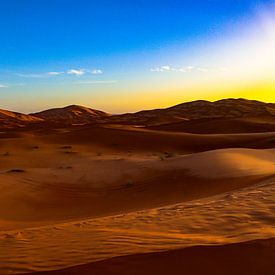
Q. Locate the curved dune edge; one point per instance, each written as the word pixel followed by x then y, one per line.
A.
pixel 237 216
pixel 253 257
pixel 129 138
pixel 70 206
pixel 95 187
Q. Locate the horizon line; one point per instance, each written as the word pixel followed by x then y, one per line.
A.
pixel 99 109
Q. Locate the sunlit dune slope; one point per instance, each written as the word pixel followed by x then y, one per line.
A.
pixel 235 216
pixel 10 119
pixel 66 185
pixel 72 114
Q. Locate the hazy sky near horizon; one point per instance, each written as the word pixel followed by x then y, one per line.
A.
pixel 120 56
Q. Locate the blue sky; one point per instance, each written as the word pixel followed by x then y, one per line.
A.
pixel 109 47
pixel 37 32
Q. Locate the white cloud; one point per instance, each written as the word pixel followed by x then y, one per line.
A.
pixel 76 72
pixel 95 82
pixel 55 73
pixel 32 75
pixel 167 68
pixel 40 75
pixel 84 71
pixel 3 86
pixel 182 70
pixel 97 71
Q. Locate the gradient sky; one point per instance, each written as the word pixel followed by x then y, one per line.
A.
pixel 118 55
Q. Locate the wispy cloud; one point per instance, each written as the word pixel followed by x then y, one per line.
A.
pixel 75 72
pixel 168 68
pixel 95 82
pixel 39 75
pixel 9 85
pixel 84 71
pixel 55 73
pixel 31 75
pixel 97 71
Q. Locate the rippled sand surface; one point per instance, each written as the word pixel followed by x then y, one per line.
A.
pixel 65 199
pixel 235 216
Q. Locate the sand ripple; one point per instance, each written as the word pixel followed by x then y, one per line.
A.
pixel 232 217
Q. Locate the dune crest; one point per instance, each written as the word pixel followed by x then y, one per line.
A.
pixel 229 163
pixel 73 114
pixel 203 117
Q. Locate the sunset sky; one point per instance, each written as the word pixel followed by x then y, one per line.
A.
pixel 120 56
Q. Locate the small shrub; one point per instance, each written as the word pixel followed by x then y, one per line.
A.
pixel 166 155
pixel 65 167
pixel 16 170
pixel 128 184
pixel 70 152
pixel 66 147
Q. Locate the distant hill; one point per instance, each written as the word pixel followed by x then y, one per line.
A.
pixel 9 119
pixel 197 110
pixel 72 114
pixel 220 125
pixel 223 116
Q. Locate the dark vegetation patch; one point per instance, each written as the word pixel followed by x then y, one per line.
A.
pixel 16 170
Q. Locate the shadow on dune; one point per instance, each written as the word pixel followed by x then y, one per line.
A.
pixel 248 258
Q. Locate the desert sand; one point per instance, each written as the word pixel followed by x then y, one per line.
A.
pixel 115 198
pixel 254 257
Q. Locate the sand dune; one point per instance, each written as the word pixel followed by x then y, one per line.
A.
pixel 14 120
pixel 223 116
pixel 65 205
pixel 220 125
pixel 72 114
pixel 79 194
pixel 231 217
pixel 254 258
pixel 228 163
pixel 119 138
pixel 8 115
pixel 201 110
pixel 82 185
